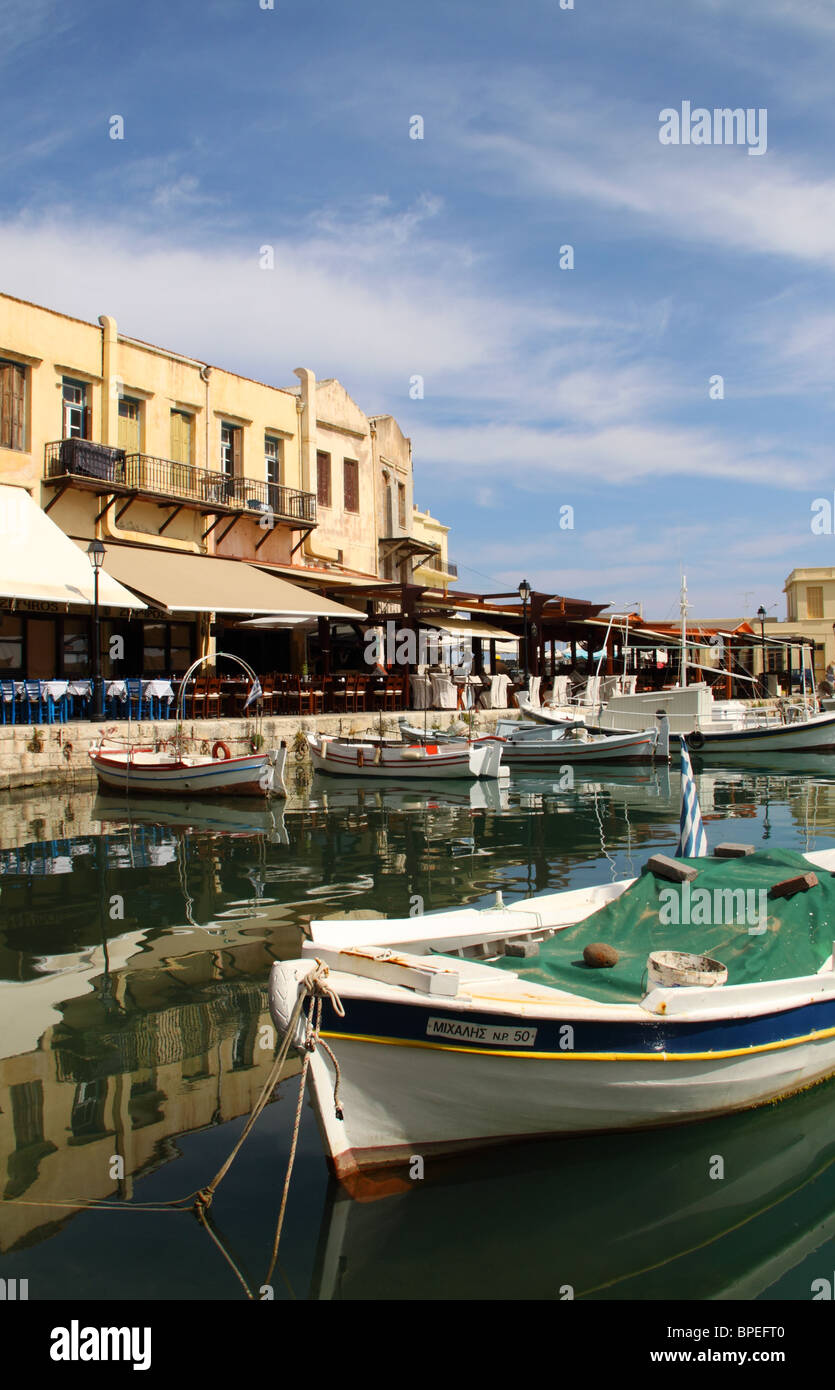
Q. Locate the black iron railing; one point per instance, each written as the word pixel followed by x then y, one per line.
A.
pixel 436 562
pixel 178 482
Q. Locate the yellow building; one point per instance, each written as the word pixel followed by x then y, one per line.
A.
pixel 153 451
pixel 436 571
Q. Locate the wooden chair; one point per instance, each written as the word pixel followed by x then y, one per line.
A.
pixel 393 693
pixel 360 694
pixel 197 698
pixel 336 692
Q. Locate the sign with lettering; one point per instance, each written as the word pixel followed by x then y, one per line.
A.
pixel 454 1030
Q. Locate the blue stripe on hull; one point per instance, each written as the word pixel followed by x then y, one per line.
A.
pixel 381 1019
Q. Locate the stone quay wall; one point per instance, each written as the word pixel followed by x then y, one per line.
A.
pixel 56 755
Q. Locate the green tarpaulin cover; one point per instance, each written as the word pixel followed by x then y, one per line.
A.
pixel 703 918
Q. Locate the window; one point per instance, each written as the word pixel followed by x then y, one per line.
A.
pixel 323 479
pixel 401 504
pixel 167 648
pixel 130 418
pixel 814 603
pixel 76 409
pixel 272 458
pixel 182 429
pixel 76 647
pixel 231 450
pixel 351 470
pixel 791 607
pixel 11 643
pixel 12 405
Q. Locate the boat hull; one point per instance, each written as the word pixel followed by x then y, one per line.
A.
pixel 405 1095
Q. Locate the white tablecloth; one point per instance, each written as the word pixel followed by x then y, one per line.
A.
pixel 444 694
pixel 421 691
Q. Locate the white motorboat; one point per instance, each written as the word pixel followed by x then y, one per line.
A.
pixel 813 733
pixel 376 757
pixel 431 1050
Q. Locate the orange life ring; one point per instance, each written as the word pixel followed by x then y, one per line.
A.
pixel 222 748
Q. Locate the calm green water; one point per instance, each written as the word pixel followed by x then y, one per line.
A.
pixel 134 954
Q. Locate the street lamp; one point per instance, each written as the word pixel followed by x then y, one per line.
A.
pixel 95 554
pixel 761 614
pixel 524 594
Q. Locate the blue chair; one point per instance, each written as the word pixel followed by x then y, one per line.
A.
pixel 134 696
pixel 33 695
pixel 8 702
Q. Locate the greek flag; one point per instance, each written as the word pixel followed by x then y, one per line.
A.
pixel 692 841
pixel 255 693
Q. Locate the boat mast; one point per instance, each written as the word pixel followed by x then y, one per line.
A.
pixel 684 607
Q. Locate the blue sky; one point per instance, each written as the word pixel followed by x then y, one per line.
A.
pixel 440 257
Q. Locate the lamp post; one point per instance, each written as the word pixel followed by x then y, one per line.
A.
pixel 761 614
pixel 95 554
pixel 524 594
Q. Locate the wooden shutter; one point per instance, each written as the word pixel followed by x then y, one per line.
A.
pixel 351 485
pixel 6 405
pixel 323 479
pixel 237 453
pixel 180 437
pixel 12 405
pixel 129 426
pixel 401 505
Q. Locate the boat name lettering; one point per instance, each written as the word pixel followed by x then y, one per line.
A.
pixel 454 1029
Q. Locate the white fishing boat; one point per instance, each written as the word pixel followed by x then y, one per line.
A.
pixel 166 767
pixel 376 757
pixel 814 733
pixel 535 745
pixel 161 771
pixel 438 1051
pixel 529 744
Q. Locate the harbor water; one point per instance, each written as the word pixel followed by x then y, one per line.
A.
pixel 135 947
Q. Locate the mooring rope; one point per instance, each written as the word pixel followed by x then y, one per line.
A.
pixel 314 992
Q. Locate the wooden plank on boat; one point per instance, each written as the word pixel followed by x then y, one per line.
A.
pixel 729 850
pixel 787 887
pixel 392 968
pixel 664 867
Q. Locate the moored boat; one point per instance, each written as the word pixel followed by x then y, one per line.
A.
pixel 161 771
pixel 438 1051
pixel 375 758
pixel 535 745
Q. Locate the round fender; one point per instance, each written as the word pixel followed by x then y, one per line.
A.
pixel 220 751
pixel 696 739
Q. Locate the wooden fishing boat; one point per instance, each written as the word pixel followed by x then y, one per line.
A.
pixel 160 771
pixel 534 745
pixel 811 734
pixel 166 768
pixel 439 1051
pixel 527 744
pixel 376 757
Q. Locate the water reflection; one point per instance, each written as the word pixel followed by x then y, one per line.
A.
pixel 135 945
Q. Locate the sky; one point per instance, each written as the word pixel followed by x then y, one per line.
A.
pixel 670 395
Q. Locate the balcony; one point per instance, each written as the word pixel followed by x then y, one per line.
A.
pixel 86 464
pixel 436 562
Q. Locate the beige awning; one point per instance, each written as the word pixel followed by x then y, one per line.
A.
pixel 208 584
pixel 459 627
pixel 38 562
